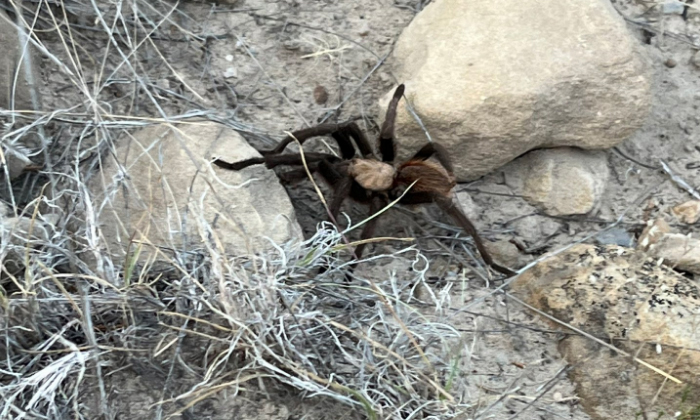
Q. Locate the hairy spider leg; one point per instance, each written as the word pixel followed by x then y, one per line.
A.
pixel 448 206
pixel 353 131
pixel 440 153
pixel 375 206
pixel 387 146
pixel 294 175
pixel 272 161
pixel 377 202
pixel 342 133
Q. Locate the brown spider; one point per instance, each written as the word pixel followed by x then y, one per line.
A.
pixel 370 180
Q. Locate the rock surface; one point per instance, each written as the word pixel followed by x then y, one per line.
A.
pixel 688 212
pixel 174 192
pixel 678 251
pixel 561 181
pixel 491 83
pixel 506 253
pixel 651 234
pixel 622 297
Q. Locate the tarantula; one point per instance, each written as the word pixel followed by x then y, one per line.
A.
pixel 370 180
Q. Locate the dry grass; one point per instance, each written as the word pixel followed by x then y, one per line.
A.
pixel 70 316
pixel 203 323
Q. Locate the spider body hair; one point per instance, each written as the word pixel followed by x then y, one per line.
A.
pixel 428 177
pixel 369 180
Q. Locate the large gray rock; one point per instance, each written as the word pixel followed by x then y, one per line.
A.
pixel 163 191
pixel 562 181
pixel 491 82
pixel 625 299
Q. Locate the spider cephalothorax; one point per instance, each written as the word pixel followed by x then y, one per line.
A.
pixel 368 179
pixel 372 175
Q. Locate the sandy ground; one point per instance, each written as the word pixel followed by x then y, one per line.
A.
pixel 265 66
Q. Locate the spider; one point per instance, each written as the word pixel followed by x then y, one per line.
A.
pixel 370 180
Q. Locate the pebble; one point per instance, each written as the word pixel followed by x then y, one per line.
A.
pixel 654 230
pixel 696 59
pixel 616 236
pixel 673 7
pixel 364 29
pixel 671 63
pixel 320 95
pixel 678 251
pixel 688 212
pixel 230 72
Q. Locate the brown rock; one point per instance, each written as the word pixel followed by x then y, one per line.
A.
pixel 652 233
pixel 624 298
pixel 320 95
pixel 688 212
pixel 678 251
pixel 491 82
pixel 506 253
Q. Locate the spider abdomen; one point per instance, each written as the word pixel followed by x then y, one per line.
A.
pixel 429 177
pixel 372 175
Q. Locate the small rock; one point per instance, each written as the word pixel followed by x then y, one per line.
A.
pixel 291 45
pixel 528 229
pixel 652 233
pixel 364 28
pixel 560 181
pixel 230 72
pixel 671 63
pixel 688 212
pixel 320 95
pixel 678 251
pixel 616 236
pixel 673 7
pixel 229 57
pixel 16 164
pixel 505 253
pixel 18 229
pixel 696 59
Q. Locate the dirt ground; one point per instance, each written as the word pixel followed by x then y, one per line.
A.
pixel 269 65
